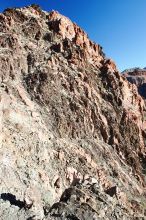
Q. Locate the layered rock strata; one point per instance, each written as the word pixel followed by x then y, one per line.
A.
pixel 137 76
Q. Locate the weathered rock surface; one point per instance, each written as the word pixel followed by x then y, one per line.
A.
pixel 72 144
pixel 137 76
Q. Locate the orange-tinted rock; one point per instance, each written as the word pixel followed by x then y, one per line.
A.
pixel 71 126
pixel 61 25
pixel 64 27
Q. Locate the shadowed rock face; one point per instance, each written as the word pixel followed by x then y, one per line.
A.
pixel 72 144
pixel 138 77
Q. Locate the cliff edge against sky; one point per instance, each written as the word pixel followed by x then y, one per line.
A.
pixel 72 141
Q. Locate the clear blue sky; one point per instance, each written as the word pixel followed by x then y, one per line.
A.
pixel 119 26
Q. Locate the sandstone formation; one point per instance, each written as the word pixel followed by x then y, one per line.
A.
pixel 72 142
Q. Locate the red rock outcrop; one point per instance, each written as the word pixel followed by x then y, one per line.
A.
pixel 72 143
pixel 68 30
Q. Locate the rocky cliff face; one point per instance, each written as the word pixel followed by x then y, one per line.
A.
pixel 72 144
pixel 137 76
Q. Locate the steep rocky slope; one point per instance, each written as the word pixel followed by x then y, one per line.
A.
pixel 137 76
pixel 72 144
